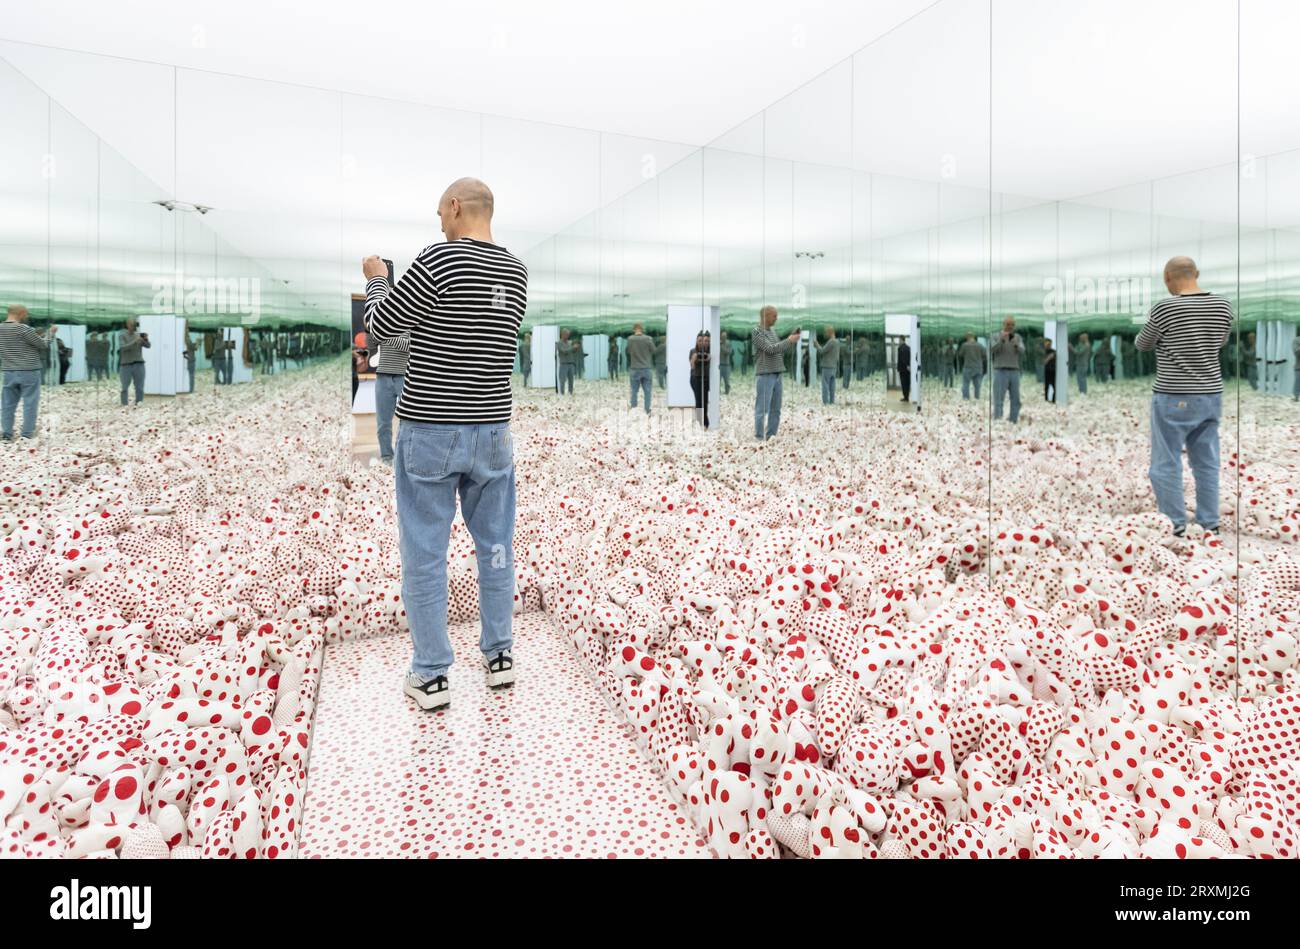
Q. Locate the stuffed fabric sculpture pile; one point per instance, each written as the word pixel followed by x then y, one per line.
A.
pixel 825 642
pixel 834 652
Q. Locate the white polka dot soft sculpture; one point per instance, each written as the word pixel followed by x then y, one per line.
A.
pixel 803 635
pixel 169 582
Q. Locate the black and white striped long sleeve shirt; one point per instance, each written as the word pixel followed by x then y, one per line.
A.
pixel 393 354
pixel 1187 333
pixel 461 303
pixel 21 347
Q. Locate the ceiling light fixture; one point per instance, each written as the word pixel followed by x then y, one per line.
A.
pixel 183 206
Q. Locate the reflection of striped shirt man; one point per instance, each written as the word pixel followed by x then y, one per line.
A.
pixel 21 347
pixel 769 350
pixel 393 354
pixel 828 354
pixel 130 347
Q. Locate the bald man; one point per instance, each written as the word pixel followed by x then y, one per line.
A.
pixel 974 360
pixel 461 302
pixel 1081 355
pixel 769 366
pixel 1006 349
pixel 21 352
pixel 640 364
pixel 130 361
pixel 1186 332
pixel 568 354
pixel 828 363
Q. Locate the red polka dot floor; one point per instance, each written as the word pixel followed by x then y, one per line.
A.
pixel 880 634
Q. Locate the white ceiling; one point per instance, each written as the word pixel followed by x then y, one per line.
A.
pixel 675 70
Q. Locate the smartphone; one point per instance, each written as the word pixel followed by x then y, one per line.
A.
pixel 389 264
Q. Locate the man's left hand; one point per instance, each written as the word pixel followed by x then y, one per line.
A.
pixel 373 266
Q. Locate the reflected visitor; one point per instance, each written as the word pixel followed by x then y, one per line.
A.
pixel 640 363
pixel 266 352
pixel 360 364
pixel 948 362
pixel 1250 361
pixel 1007 349
pixel 905 369
pixel 191 348
pixel 21 352
pixel 1186 331
pixel 769 366
pixel 974 363
pixel 700 376
pixel 1081 355
pixel 130 361
pixel 1295 363
pixel 828 364
pixel 65 359
pixel 92 356
pixel 1049 371
pixel 1103 364
pixel 568 353
pixel 860 358
pixel 611 361
pixel 390 376
pixel 661 361
pixel 228 362
pixel 526 358
pixel 724 361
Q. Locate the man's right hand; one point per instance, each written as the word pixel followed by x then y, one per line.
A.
pixel 793 337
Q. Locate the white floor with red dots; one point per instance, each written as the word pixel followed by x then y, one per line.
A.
pixel 539 769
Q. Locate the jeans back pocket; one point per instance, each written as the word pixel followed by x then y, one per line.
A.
pixel 503 449
pixel 427 450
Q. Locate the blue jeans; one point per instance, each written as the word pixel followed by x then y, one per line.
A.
pixel 640 379
pixel 132 374
pixel 433 465
pixel 567 371
pixel 967 377
pixel 1191 422
pixel 1081 374
pixel 1004 381
pixel 767 402
pixel 20 385
pixel 388 386
pixel 828 386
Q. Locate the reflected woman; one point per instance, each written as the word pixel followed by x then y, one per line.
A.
pixel 700 376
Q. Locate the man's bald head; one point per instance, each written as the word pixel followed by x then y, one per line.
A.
pixel 474 196
pixel 767 315
pixel 466 209
pixel 1181 275
pixel 18 312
